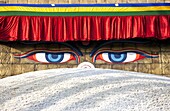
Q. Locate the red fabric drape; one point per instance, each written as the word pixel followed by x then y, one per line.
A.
pixel 83 28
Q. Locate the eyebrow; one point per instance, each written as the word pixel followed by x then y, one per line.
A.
pixel 71 46
pixel 97 47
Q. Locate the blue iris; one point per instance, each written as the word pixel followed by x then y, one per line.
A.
pixel 117 57
pixel 54 57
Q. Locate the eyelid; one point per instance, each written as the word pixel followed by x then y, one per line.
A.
pixel 124 50
pixel 29 53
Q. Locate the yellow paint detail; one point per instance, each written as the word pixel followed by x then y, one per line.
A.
pixel 84 9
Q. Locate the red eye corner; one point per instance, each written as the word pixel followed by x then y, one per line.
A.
pixel 33 57
pixel 139 57
pixel 99 57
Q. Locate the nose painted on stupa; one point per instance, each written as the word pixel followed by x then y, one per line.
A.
pixel 85 65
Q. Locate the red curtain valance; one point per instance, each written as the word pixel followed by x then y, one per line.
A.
pixel 83 28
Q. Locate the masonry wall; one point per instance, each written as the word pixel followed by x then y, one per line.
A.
pixel 9 65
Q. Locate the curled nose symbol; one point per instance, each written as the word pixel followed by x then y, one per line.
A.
pixel 86 65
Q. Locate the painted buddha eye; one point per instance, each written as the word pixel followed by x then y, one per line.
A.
pixel 50 56
pixel 124 56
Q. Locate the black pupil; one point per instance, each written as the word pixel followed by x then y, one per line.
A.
pixel 117 55
pixel 54 56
